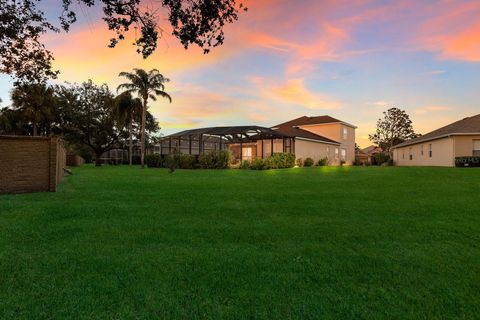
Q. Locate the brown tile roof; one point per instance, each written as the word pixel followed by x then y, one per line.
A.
pixel 372 148
pixel 302 121
pixel 464 126
pixel 300 133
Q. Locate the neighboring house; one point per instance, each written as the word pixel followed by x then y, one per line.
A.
pixel 306 137
pixel 366 155
pixel 440 147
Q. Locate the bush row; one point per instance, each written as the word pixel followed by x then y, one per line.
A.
pixel 276 161
pixel 309 162
pixel 210 160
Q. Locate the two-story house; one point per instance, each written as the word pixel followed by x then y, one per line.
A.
pixel 306 137
pixel 321 137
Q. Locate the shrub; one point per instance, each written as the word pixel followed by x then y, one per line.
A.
pixel 245 165
pixel 342 162
pixel 259 164
pixel 215 160
pixel 467 162
pixel 153 160
pixel 381 158
pixel 299 162
pixel 280 160
pixel 323 162
pixel 308 162
pixel 186 161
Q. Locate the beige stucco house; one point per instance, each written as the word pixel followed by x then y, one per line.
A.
pixel 440 147
pixel 321 137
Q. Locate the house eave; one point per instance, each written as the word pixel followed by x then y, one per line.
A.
pixel 406 144
pixel 320 141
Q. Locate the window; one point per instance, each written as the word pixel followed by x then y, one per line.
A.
pixel 247 153
pixel 328 151
pixel 345 133
pixel 336 153
pixel 344 154
pixel 410 154
pixel 430 152
pixel 403 154
pixel 476 148
pixel 421 150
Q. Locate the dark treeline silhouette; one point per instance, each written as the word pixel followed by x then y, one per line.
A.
pixel 89 117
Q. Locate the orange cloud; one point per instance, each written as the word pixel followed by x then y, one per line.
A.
pixel 295 92
pixel 454 31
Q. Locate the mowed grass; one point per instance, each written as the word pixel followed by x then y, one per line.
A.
pixel 305 243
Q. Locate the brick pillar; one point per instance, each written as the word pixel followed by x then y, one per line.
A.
pixel 52 186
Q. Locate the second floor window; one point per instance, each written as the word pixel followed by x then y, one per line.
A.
pixel 345 133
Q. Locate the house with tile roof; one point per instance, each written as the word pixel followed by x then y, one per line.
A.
pixel 306 137
pixel 440 147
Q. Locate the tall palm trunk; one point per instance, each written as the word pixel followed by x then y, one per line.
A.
pixel 130 143
pixel 142 142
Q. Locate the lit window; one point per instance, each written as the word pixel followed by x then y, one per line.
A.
pixel 247 153
pixel 344 154
pixel 345 133
pixel 476 148
pixel 430 152
pixel 336 153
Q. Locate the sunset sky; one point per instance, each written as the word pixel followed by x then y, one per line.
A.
pixel 284 59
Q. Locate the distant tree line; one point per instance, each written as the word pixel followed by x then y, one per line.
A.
pixel 89 117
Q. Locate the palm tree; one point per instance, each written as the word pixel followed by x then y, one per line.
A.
pixel 35 103
pixel 147 85
pixel 126 110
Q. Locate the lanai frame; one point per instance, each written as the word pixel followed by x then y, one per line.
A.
pixel 201 140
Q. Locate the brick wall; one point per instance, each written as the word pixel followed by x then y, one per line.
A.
pixel 30 164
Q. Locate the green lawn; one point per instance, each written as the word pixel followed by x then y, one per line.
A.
pixel 309 243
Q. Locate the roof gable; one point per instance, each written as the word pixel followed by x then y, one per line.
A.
pixel 303 121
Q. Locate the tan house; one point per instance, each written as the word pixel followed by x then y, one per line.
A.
pixel 306 137
pixel 321 137
pixel 442 146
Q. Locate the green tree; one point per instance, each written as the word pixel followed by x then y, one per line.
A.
pixel 147 85
pixel 127 109
pixel 88 117
pixel 35 103
pixel 394 128
pixel 24 56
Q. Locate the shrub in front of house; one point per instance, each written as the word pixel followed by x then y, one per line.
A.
pixel 153 160
pixel 280 160
pixel 259 164
pixel 186 161
pixel 299 162
pixel 467 162
pixel 244 165
pixel 381 158
pixel 215 160
pixel 322 162
pixel 308 162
